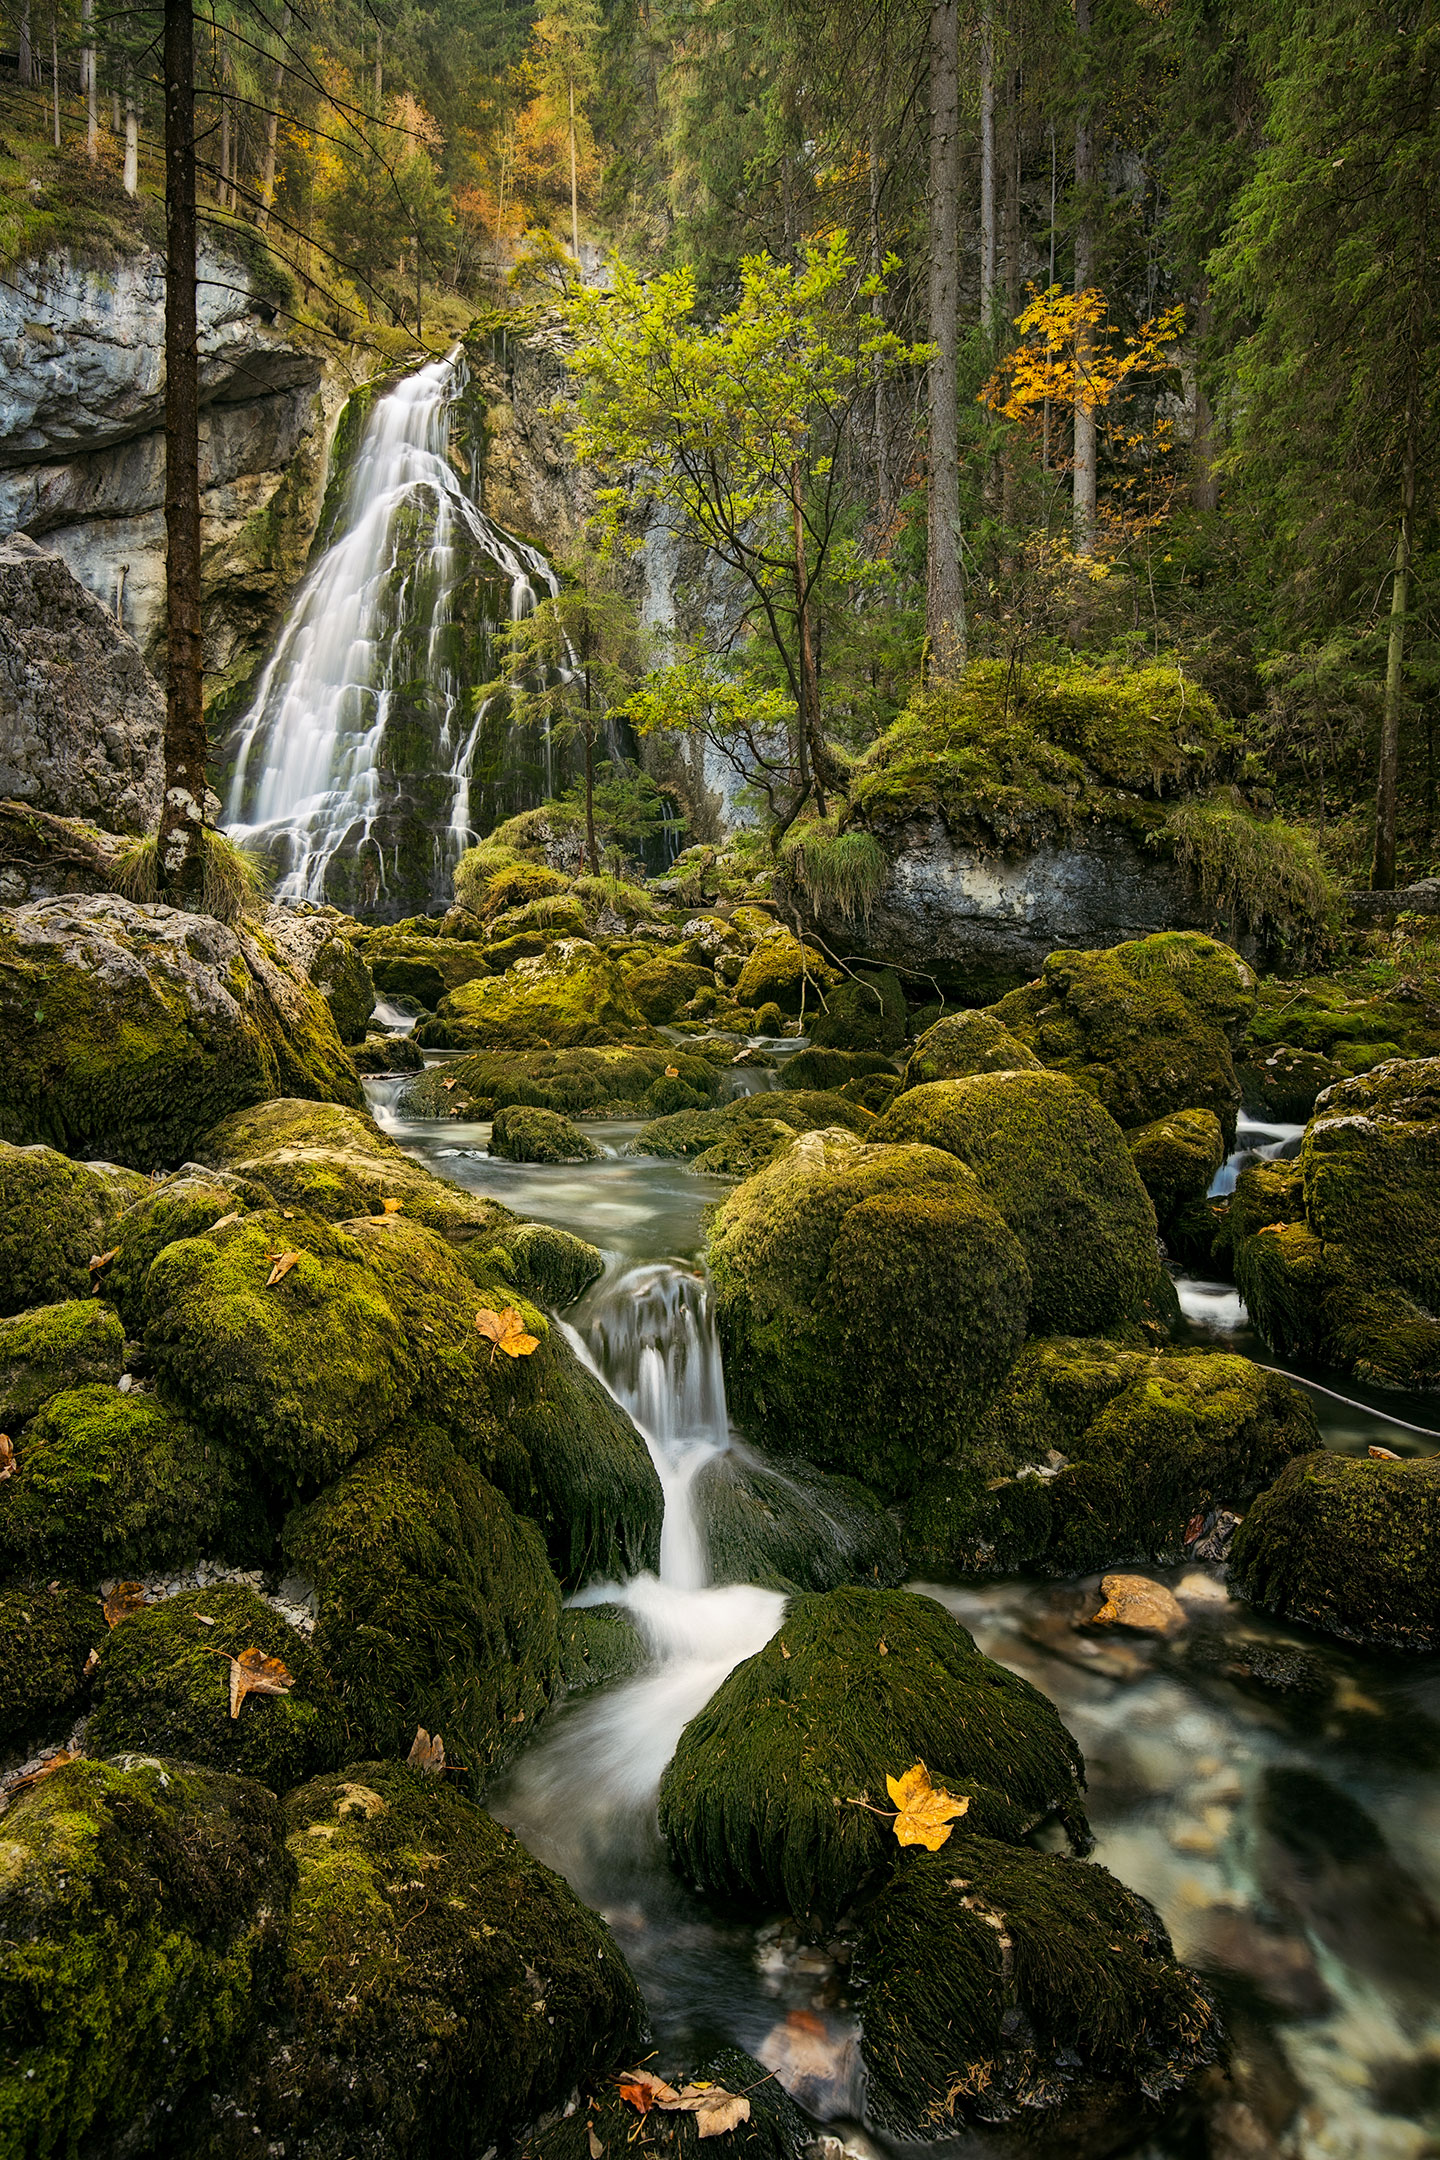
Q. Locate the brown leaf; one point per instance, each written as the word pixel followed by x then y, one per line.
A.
pixel 715 2110
pixel 447 1085
pixel 391 1207
pixel 427 1751
pixel 90 1663
pixel 35 1777
pixel 101 1260
pixel 126 1598
pixel 506 1331
pixel 1376 1454
pixel 596 2148
pixel 642 2090
pixel 283 1263
pixel 1193 1529
pixel 253 1673
pixel 925 1812
pixel 224 1222
pixel 8 1464
pixel 672 1072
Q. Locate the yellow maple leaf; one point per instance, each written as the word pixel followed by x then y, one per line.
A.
pixel 925 1813
pixel 506 1331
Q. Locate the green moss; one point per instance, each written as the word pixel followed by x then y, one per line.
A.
pixel 437 1607
pixel 386 1053
pixel 291 1122
pixel 553 915
pixel 110 1484
pixel 184 1205
pixel 56 1216
pixel 523 1134
pixel 963 1043
pixel 1177 1158
pixel 137 1930
pixel 866 1013
pixel 819 1070
pixel 789 1526
pixel 660 987
pixel 767 1019
pixel 690 1133
pixel 1259 875
pixel 607 1080
pixel 1350 1546
pixel 475 869
pixel 163 1688
pixel 1280 1082
pixel 47 1631
pixel 424 969
pixel 758 1803
pixel 781 971
pixel 440 1989
pixel 1312 1030
pixel 839 873
pixel 869 1300
pixel 1004 1985
pixel 598 1644
pixel 516 884
pixel 553 1265
pixel 1371 1165
pixel 1051 1161
pixel 571 996
pixel 340 974
pixel 776 2129
pixel 77 1344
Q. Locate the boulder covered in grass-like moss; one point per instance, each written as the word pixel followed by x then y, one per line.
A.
pixel 626 1078
pixel 780 971
pixel 870 1300
pixel 56 1216
pixel 47 1632
pixel 962 1043
pixel 128 1031
pixel 1177 1158
pixel 163 1687
pixel 186 1204
pixel 138 1935
pixel 1350 1546
pixel 788 1526
pixel 660 987
pixel 720 1136
pixel 866 1012
pixel 78 1344
pixel 440 1987
pixel 552 1265
pixel 1007 1986
pixel 526 1135
pixel 775 2129
pixel 437 1605
pixel 1054 1164
pixel 109 1484
pixel 570 995
pixel 771 1799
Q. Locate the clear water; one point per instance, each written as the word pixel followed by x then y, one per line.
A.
pixel 1325 1941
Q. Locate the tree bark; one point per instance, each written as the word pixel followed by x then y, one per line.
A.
pixel 1084 417
pixel 272 128
pixel 132 139
pixel 92 87
pixel 1204 484
pixel 55 66
pixel 1387 792
pixel 180 860
pixel 944 595
pixel 809 677
pixel 987 167
pixel 27 51
pixel 574 186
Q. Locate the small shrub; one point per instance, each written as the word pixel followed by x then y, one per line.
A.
pixel 476 867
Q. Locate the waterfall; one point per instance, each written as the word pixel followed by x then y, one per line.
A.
pixel 355 765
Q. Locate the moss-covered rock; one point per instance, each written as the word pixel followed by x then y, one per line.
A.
pixel 1307 1034
pixel 186 1204
pixel 694 1133
pixel 570 996
pixel 963 1043
pixel 423 969
pixel 523 1134
pixel 1350 1546
pixel 788 1526
pixel 758 1803
pixel 128 1031
pixel 47 1631
pixel 56 1216
pixel 598 1644
pixel 1006 1985
pixel 823 1070
pixel 616 1080
pixel 383 1052
pixel 110 1484
pixel 163 1688
pixel 662 986
pixel 1093 1455
pixel 78 1344
pixel 322 944
pixel 775 2130
pixel 138 1930
pixel 1283 1083
pixel 1177 1158
pixel 866 1012
pixel 437 1607
pixel 440 1988
pixel 1053 1163
pixel 781 971
pixel 1147 1027
pixel 292 1122
pixel 553 1265
pixel 870 1300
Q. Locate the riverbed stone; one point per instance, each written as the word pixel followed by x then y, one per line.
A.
pixel 1177 1158
pixel 1138 1602
pixel 774 2130
pixel 552 1265
pixel 759 1803
pixel 867 1011
pixel 523 1134
pixel 76 1344
pixel 1350 1546
pixel 572 995
pixel 870 1300
pixel 962 1043
pixel 739 1137
pixel 781 971
pixel 190 1201
pixel 56 1216
pixel 322 944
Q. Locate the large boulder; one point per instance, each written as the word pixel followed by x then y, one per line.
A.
pixel 48 1631
pixel 522 1134
pixel 1055 1165
pixel 776 1795
pixel 56 1216
pixel 781 971
pixel 76 1344
pixel 1348 1545
pixel 128 1031
pixel 789 1526
pixel 605 1080
pixel 870 1300
pixel 320 944
pixel 570 996
pixel 82 719
pixel 962 1043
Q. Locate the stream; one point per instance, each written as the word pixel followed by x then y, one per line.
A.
pixel 1273 1793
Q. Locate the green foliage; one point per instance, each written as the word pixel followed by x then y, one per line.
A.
pixel 838 873
pixel 1257 874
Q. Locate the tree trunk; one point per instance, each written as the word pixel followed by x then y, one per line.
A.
pixel 1204 484
pixel 809 676
pixel 55 67
pixel 574 187
pixel 987 167
pixel 27 53
pixel 132 139
pixel 883 485
pixel 92 88
pixel 272 127
pixel 944 594
pixel 1382 871
pixel 224 140
pixel 379 72
pixel 1084 471
pixel 181 852
pixel 592 851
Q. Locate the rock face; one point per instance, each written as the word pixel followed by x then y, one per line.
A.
pixel 82 721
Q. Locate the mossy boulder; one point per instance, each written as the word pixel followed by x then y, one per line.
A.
pixel 440 1988
pixel 1309 1033
pixel 1093 1455
pixel 1054 1165
pixel 78 1344
pixel 523 1134
pixel 615 1080
pixel 781 971
pixel 139 1905
pixel 1177 1158
pixel 758 1804
pixel 552 1265
pixel 323 944
pixel 570 996
pixel 47 1631
pixel 186 1204
pixel 163 1688
pixel 788 1526
pixel 813 1069
pixel 963 1043
pixel 866 1012
pixel 1148 1027
pixel 598 1644
pixel 56 1216
pixel 111 1484
pixel 870 1300
pixel 1350 1546
pixel 293 1122
pixel 696 1134
pixel 423 969
pixel 661 987
pixel 129 1031
pixel 1003 1985
pixel 437 1606
pixel 384 1052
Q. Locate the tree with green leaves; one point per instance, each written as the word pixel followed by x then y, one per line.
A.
pixel 565 64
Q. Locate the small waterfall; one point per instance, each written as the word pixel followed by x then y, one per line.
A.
pixel 355 766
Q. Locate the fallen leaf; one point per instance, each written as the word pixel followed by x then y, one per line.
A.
pixel 447 1085
pixel 1376 1454
pixel 715 2110
pixel 283 1263
pixel 506 1331
pixel 288 1213
pixel 126 1598
pixel 427 1751
pixel 101 1260
pixel 47 1769
pixel 884 1647
pixel 642 2090
pixel 391 1207
pixel 8 1464
pixel 90 1663
pixel 596 2148
pixel 925 1812
pixel 1193 1529
pixel 784 1652
pixel 672 1072
pixel 224 1222
pixel 253 1673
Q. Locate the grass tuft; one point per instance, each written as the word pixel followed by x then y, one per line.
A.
pixel 1261 874
pixel 236 884
pixel 840 871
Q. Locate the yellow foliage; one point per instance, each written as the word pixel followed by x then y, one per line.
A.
pixel 926 1814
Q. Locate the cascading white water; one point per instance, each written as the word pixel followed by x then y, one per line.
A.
pixel 310 773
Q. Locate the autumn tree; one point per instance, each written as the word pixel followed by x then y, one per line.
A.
pixel 562 62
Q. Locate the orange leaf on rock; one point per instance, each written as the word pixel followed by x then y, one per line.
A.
pixel 642 2090
pixel 506 1331
pixel 101 1260
pixel 427 1752
pixel 283 1263
pixel 672 1072
pixel 391 1207
pixel 8 1464
pixel 35 1777
pixel 224 1222
pixel 126 1598
pixel 925 1814
pixel 253 1673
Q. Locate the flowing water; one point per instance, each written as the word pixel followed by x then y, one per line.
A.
pixel 1273 1794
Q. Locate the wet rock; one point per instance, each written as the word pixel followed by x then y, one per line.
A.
pixel 47 1632
pixel 867 1012
pixel 1134 1601
pixel 660 987
pixel 781 971
pixel 739 1137
pixel 598 1644
pixel 789 1526
pixel 1349 1546
pixel 572 995
pixel 389 1053
pixel 320 943
pixel 56 1216
pixel 604 1080
pixel 546 1263
pixel 1279 1967
pixel 1177 1157
pixel 523 1134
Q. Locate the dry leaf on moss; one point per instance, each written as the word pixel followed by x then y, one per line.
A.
pixel 715 2110
pixel 925 1812
pixel 642 2090
pixel 506 1331
pixel 126 1598
pixel 101 1260
pixel 672 1072
pixel 253 1673
pixel 283 1263
pixel 596 2148
pixel 427 1751
pixel 224 1222
pixel 8 1464
pixel 391 1207
pixel 35 1777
